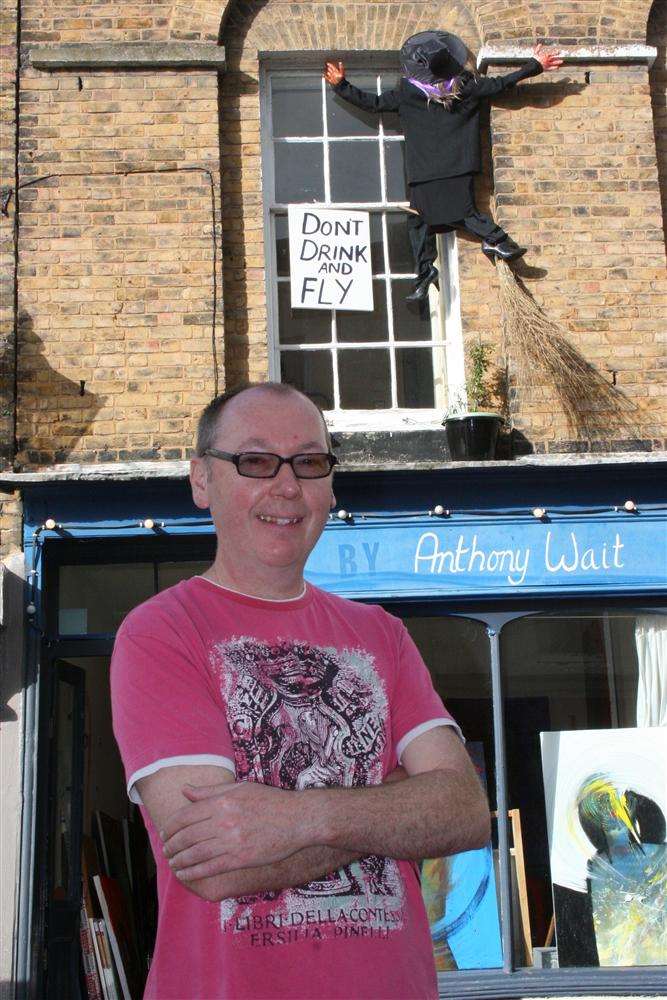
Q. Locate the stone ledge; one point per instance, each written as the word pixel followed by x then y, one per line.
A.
pixel 620 54
pixel 128 55
pixel 125 471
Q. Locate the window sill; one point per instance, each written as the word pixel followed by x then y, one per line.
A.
pixel 493 984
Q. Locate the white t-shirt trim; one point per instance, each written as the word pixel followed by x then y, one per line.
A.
pixel 201 758
pixel 424 727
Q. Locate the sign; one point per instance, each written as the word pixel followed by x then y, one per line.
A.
pixel 485 558
pixel 330 259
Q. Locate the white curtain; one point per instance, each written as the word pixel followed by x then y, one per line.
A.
pixel 651 643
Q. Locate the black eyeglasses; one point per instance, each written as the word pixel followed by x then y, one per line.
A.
pixel 265 465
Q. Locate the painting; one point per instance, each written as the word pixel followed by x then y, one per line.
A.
pixel 460 897
pixel 606 803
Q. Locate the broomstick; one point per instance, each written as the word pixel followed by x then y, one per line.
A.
pixel 593 407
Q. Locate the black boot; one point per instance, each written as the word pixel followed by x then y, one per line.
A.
pixel 420 292
pixel 506 249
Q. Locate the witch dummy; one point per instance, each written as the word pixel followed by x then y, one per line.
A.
pixel 438 101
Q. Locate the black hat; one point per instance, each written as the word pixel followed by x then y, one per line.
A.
pixel 430 56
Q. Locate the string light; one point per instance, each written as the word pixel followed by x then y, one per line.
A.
pixel 539 512
pixel 51 524
pixel 343 515
pixel 439 511
pixel 630 506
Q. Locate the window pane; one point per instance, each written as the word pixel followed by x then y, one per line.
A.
pixel 364 378
pixel 586 679
pixel 394 160
pixel 311 372
pixel 391 123
pixel 170 573
pixel 299 170
pixel 414 377
pixel 282 246
pixel 95 599
pixel 63 765
pixel 296 105
pixel 301 326
pixel 355 171
pixel 410 322
pixel 377 249
pixel 401 260
pixel 460 892
pixel 344 118
pixel 365 326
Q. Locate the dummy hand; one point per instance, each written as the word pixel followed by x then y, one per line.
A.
pixel 232 826
pixel 334 73
pixel 547 57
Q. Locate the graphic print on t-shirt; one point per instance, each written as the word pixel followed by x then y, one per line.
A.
pixel 304 716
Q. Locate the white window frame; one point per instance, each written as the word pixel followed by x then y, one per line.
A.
pixel 445 313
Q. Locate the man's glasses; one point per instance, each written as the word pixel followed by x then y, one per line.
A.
pixel 265 465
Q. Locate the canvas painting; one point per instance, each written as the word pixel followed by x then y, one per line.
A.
pixel 606 803
pixel 460 897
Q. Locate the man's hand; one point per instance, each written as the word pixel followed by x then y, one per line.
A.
pixel 549 58
pixel 232 826
pixel 334 73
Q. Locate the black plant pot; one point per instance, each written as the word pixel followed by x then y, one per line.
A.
pixel 472 436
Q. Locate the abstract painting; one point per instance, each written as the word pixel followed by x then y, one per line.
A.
pixel 460 898
pixel 606 803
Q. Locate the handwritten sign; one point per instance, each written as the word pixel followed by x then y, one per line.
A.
pixel 330 259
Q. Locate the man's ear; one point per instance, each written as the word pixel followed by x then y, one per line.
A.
pixel 199 482
pixel 333 501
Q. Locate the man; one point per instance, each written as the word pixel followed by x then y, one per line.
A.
pixel 258 718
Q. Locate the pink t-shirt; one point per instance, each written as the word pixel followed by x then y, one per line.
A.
pixel 313 692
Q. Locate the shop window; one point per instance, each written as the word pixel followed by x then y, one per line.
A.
pixel 170 573
pixel 94 599
pixel 387 366
pixel 583 695
pixel 461 892
pixel 585 748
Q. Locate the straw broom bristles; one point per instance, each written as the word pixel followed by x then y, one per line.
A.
pixel 593 407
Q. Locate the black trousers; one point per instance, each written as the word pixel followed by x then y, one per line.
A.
pixel 423 242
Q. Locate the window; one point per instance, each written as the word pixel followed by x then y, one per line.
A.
pixel 389 366
pixel 581 712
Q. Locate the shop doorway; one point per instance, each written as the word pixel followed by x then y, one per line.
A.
pixel 98 889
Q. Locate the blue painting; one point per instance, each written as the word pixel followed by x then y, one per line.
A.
pixel 460 898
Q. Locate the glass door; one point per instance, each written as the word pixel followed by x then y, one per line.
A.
pixel 64 829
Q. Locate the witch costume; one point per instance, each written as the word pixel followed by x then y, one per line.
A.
pixel 438 102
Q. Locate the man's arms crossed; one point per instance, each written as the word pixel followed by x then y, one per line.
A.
pixel 240 838
pixel 164 797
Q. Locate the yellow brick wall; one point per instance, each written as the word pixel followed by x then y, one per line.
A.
pixel 116 272
pixel 657 36
pixel 118 265
pixel 575 179
pixel 7 182
pixel 10 523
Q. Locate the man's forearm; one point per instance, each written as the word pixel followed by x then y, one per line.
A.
pixel 306 865
pixel 431 814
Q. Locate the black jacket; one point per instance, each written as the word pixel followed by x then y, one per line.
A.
pixel 438 143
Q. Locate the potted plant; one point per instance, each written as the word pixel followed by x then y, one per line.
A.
pixel 470 425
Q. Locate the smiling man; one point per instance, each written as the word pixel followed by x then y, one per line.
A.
pixel 262 723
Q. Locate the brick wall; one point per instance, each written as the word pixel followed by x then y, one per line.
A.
pixel 575 177
pixel 10 523
pixel 657 36
pixel 564 22
pixel 116 271
pixel 118 268
pixel 7 196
